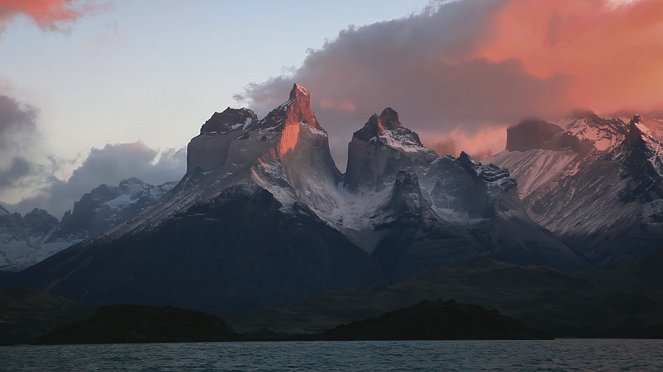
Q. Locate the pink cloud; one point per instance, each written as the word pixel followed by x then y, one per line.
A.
pixel 48 14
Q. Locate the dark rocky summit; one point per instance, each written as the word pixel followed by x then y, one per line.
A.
pixel 229 119
pixel 530 134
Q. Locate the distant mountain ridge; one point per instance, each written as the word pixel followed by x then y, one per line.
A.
pixel 26 240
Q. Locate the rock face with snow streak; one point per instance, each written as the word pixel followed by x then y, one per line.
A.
pixel 605 202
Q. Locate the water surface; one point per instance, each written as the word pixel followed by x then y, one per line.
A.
pixel 342 356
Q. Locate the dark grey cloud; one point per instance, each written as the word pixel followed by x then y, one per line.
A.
pixel 108 165
pixel 424 67
pixel 18 131
pixel 17 169
pixel 17 121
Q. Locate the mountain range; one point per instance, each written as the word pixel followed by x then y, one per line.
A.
pixel 264 218
pixel 595 183
pixel 31 238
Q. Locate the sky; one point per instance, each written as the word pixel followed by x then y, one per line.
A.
pixel 93 92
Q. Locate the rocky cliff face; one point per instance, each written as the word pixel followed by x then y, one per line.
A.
pixel 301 157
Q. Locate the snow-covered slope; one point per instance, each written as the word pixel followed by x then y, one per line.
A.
pixel 606 202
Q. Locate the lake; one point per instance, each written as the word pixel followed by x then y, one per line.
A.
pixel 565 354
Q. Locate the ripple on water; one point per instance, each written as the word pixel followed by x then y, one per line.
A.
pixel 347 356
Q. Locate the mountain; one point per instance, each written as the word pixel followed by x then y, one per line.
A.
pixel 263 217
pixel 26 240
pixel 380 149
pixel 240 230
pixel 415 211
pixel 600 190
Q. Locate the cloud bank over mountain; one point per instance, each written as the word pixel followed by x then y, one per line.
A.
pixel 109 165
pixel 25 178
pixel 461 71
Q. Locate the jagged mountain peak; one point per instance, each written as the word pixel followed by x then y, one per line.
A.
pixel 286 127
pixel 299 91
pixel 406 202
pixel 388 119
pixel 377 125
pixel 602 133
pixel 381 148
pixel 386 129
pixel 296 110
pixel 488 173
pixel 229 119
pixel 40 220
pixel 383 125
pixel 641 159
pixel 466 161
